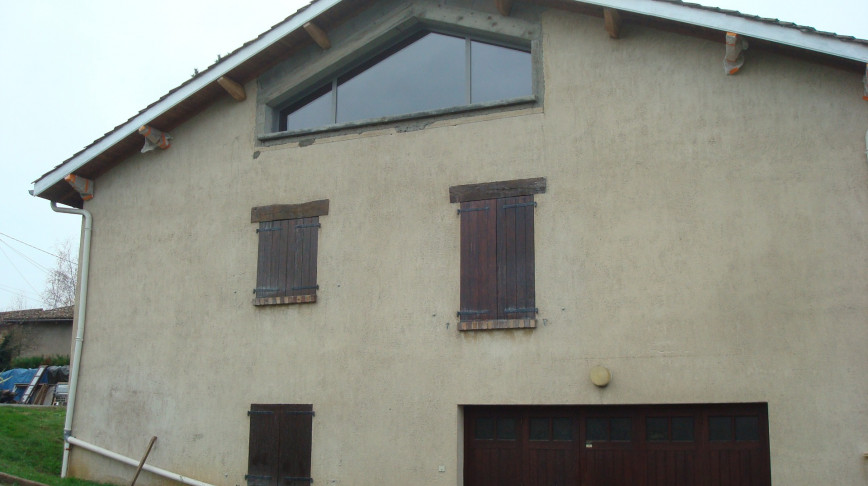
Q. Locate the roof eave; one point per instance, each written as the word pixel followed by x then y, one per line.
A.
pixel 664 9
pixel 41 185
pixel 751 28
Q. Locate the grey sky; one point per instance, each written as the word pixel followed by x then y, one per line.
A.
pixel 72 71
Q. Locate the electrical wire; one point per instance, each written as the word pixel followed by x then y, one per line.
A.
pixel 36 248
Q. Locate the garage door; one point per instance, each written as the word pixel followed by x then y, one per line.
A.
pixel 649 445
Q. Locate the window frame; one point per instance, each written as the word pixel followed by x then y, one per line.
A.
pixel 482 197
pixel 292 81
pixel 273 257
pixel 332 84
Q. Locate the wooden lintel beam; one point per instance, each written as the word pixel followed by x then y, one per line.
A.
pixel 234 89
pixel 318 35
pixel 503 6
pixel 277 212
pixel 612 19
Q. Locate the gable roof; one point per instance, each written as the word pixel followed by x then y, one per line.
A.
pixel 286 38
pixel 35 315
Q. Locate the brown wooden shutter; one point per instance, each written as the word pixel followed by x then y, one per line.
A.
pixel 515 260
pixel 478 260
pixel 262 459
pixel 280 445
pixel 296 428
pixel 301 279
pixel 287 257
pixel 267 284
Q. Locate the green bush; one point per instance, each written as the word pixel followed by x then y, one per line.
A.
pixel 8 349
pixel 36 361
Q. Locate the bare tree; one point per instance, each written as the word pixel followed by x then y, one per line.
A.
pixel 60 284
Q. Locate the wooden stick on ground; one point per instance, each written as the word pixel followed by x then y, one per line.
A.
pixel 142 463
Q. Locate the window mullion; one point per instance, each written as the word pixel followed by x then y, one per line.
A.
pixel 335 100
pixel 468 96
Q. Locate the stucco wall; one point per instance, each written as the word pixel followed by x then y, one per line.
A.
pixel 702 236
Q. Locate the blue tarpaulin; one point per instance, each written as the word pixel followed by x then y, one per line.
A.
pixel 9 378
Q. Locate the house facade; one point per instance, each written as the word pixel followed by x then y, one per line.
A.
pixel 486 243
pixel 38 332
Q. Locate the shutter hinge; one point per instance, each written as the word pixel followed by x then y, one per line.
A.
pixel 259 412
pixel 290 478
pixel 312 225
pixel 301 412
pixel 472 209
pixel 309 287
pixel 266 289
pixel 248 477
pixel 276 228
pixel 472 313
pixel 519 205
pixel 514 310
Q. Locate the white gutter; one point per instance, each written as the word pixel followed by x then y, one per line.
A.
pixel 132 462
pixel 740 25
pixel 184 92
pixel 84 265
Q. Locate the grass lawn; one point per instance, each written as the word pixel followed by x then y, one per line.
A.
pixel 31 444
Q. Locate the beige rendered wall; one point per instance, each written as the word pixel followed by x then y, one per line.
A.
pixel 45 338
pixel 702 236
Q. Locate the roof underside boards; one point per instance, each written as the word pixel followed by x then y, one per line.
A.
pixel 286 38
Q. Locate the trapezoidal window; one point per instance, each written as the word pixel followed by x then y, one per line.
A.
pixel 425 72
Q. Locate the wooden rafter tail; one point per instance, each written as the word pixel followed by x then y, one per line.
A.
pixel 84 187
pixel 503 6
pixel 612 20
pixel 235 90
pixel 318 35
pixel 154 138
pixel 865 84
pixel 735 47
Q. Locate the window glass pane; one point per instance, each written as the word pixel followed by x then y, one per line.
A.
pixel 597 429
pixel 621 428
pixel 682 429
pixel 314 111
pixel 506 429
pixel 719 428
pixel 425 75
pixel 656 429
pixel 746 428
pixel 484 429
pixel 539 429
pixel 562 429
pixel 498 73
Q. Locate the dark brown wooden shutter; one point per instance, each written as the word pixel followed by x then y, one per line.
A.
pixel 478 260
pixel 262 459
pixel 296 427
pixel 515 262
pixel 287 257
pixel 301 277
pixel 280 445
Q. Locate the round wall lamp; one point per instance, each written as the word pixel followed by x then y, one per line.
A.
pixel 600 376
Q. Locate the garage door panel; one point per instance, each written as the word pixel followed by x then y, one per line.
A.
pixel 670 467
pixel 613 467
pixel 555 467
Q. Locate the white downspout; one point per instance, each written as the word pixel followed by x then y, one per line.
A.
pixel 84 265
pixel 68 439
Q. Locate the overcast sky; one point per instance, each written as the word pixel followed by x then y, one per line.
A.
pixel 72 71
